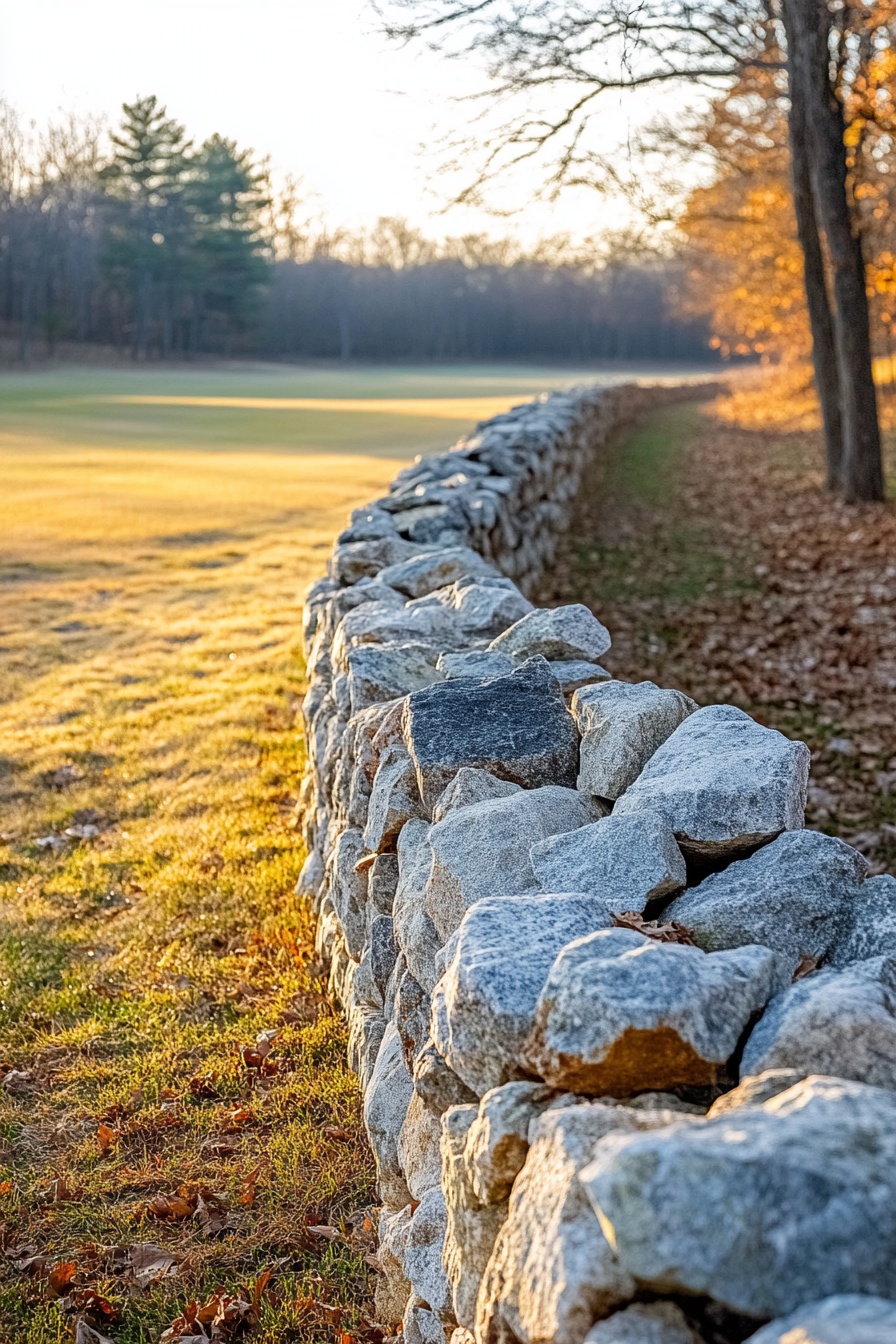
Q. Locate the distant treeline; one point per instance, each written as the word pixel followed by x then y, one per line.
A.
pixel 142 241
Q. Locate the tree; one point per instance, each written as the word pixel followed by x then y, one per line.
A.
pixel 144 182
pixel 560 57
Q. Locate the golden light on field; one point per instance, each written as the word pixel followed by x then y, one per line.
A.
pixel 432 408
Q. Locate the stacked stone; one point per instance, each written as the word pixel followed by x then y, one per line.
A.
pixel 626 1031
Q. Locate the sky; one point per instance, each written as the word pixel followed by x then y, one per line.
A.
pixel 311 83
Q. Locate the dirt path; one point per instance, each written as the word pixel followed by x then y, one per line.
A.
pixel 722 568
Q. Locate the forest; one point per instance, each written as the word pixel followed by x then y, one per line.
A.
pixel 143 242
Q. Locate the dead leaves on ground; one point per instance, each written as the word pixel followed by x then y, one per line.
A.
pixel 661 931
pixel 192 1202
pixel 223 1318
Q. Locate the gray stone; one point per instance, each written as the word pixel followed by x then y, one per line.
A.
pixel 723 783
pixel 392 1289
pixel 622 726
pixel 383 882
pixel 367 1027
pixel 645 1323
pixel 835 1022
pixel 438 1086
pixel 563 633
pixel 384 626
pixel 807 1183
pixel 348 889
pixel 626 861
pixel 754 1089
pixel 792 895
pixel 620 1013
pixel 575 673
pixel 868 928
pixel 435 569
pixel 482 608
pixel 476 663
pixel 484 1004
pixel 386 1103
pixel 412 1012
pixel 423 1253
pixel 418 1149
pixel 362 559
pixel 378 673
pixel 415 932
pixel 470 786
pixel 472 1227
pixel 483 850
pixel 394 798
pixel 383 950
pixel 517 727
pixel 553 1272
pixel 850 1318
pixel 498 1140
pixel 420 1325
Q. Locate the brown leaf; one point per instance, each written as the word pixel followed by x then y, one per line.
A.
pixel 337 1132
pixel 806 966
pixel 60 1192
pixel 150 1263
pixel 672 932
pixel 255 1056
pixel 107 1138
pixel 247 1187
pixel 60 1277
pixel 325 1231
pixel 204 1087
pixel 211 1213
pixel 177 1206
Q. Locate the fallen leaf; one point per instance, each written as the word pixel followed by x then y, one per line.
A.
pixel 86 832
pixel 60 1192
pixel 16 1080
pixel 324 1230
pixel 806 966
pixel 211 1213
pixel 255 1056
pixel 150 1263
pixel 337 1132
pixel 203 1087
pixel 55 842
pixel 107 1138
pixel 672 932
pixel 174 1207
pixel 60 1277
pixel 247 1188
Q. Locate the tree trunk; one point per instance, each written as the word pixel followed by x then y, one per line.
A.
pixel 824 353
pixel 820 115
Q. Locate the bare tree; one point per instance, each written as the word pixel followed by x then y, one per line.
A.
pixel 552 60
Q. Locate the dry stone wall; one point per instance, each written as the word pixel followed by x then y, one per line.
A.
pixel 626 1031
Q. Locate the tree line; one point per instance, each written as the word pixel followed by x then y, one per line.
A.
pixel 814 81
pixel 144 241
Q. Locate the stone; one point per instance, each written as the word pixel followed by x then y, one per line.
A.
pixel 754 1089
pixel 364 559
pixel 394 799
pixel 626 861
pixel 383 950
pixel 575 673
pixel 423 1253
pixel 438 1086
pixel 482 608
pixel 792 895
pixel 418 1149
pixel 382 883
pixel 392 1289
pixel 553 1272
pixel 622 726
pixel 476 663
pixel 411 1017
pixel 484 1005
pixel 807 1183
pixel 420 1325
pixel 483 850
pixel 367 1027
pixel 415 932
pixel 378 673
pixel 498 1140
pixel 424 573
pixel 348 889
pixel 472 1227
pixel 564 633
pixel 517 727
pixel 841 1023
pixel 868 928
pixel 850 1318
pixel 645 1323
pixel 620 1013
pixel 470 786
pixel 724 783
pixel 386 1103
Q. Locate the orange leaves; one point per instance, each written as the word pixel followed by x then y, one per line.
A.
pixel 223 1318
pixel 107 1138
pixel 190 1201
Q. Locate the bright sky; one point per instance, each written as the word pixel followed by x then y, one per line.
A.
pixel 309 82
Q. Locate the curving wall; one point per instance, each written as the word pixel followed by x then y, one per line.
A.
pixel 626 1031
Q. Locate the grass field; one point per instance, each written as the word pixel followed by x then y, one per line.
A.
pixel 152 558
